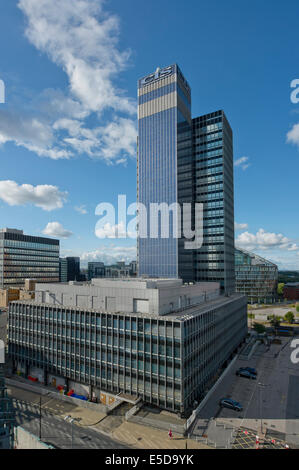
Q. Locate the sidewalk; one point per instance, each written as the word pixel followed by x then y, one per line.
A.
pixel 142 437
pixel 87 417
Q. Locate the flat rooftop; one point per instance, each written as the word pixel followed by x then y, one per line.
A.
pixel 185 313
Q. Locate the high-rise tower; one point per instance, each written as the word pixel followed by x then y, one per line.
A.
pixel 184 160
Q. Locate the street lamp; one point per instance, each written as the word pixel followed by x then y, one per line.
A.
pixel 261 386
pixel 71 420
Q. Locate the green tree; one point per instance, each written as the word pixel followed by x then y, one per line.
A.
pixel 289 317
pixel 259 328
pixel 280 288
pixel 274 321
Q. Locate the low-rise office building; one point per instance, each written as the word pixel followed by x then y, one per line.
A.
pixel 157 339
pixel 256 277
pixel 291 291
pixel 27 257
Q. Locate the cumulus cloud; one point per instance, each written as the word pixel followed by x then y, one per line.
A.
pixel 83 41
pixel 263 240
pixel 45 196
pixel 110 254
pixel 240 226
pixel 56 230
pixel 242 162
pixel 293 135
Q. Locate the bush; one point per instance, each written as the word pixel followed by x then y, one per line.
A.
pixel 289 317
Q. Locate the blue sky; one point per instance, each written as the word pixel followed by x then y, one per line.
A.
pixel 68 126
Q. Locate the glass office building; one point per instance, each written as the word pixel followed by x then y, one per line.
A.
pixel 26 257
pixel 164 109
pixel 214 187
pixel 183 160
pixel 256 277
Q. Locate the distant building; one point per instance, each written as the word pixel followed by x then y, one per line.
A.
pixel 154 339
pixel 27 257
pixel 120 269
pixel 256 277
pixel 96 269
pixel 291 291
pixel 73 268
pixel 10 294
pixel 62 270
pixel 69 269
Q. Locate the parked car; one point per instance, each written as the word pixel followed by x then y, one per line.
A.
pixel 250 369
pixel 231 404
pixel 245 373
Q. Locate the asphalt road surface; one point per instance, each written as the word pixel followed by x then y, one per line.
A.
pixel 54 430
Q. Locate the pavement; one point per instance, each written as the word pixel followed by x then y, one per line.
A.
pixel 52 426
pixel 143 437
pixel 272 406
pixel 91 429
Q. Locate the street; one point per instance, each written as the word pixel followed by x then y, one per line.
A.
pixel 270 403
pixel 54 430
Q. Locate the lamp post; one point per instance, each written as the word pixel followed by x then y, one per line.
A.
pixel 261 386
pixel 71 420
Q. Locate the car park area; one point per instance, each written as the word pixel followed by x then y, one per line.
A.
pixel 269 404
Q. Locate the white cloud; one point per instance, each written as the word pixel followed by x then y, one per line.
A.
pixel 242 162
pixel 55 229
pixel 240 226
pixel 82 40
pixel 45 196
pixel 293 135
pixel 263 240
pixel 81 209
pixel 110 254
pixel 113 231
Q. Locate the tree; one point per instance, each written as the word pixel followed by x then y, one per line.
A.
pixel 289 317
pixel 280 288
pixel 259 328
pixel 274 321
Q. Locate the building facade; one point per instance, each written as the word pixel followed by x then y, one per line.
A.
pixel 212 141
pixel 7 415
pixel 256 277
pixel 164 107
pixel 63 270
pixel 184 161
pixel 156 339
pixel 27 257
pixel 291 291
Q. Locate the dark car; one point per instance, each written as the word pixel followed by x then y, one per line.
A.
pixel 250 369
pixel 231 404
pixel 245 373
